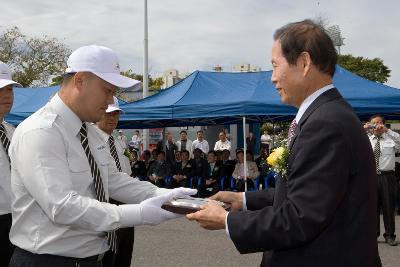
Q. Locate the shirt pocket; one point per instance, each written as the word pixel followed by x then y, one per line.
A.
pixel 388 148
pixel 81 176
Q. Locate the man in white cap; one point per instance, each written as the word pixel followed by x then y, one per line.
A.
pixel 6 132
pixel 106 126
pixel 62 174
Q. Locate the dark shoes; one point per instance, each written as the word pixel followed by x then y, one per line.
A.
pixel 391 241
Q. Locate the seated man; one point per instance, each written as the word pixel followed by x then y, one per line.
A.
pixel 159 170
pixel 228 166
pixel 263 168
pixel 211 184
pixel 251 173
pixel 199 165
pixel 147 159
pixel 138 167
pixel 183 171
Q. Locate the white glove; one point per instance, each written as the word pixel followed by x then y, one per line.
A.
pixel 151 211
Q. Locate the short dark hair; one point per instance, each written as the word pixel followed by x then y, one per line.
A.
pixel 212 152
pixel 66 78
pixel 147 153
pixel 225 151
pixel 183 131
pixel 200 131
pixel 307 36
pixel 160 152
pixel 377 116
pixel 238 151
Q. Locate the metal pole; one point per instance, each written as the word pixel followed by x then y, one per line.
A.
pixel 145 74
pixel 244 154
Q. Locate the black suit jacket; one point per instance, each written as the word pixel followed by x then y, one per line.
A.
pixel 324 214
pixel 188 170
pixel 215 174
pixel 138 169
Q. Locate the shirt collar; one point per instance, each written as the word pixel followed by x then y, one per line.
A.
pixel 71 119
pixel 310 99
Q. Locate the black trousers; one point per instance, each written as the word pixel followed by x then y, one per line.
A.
pixel 386 202
pixel 7 248
pixel 123 257
pixel 23 258
pixel 126 238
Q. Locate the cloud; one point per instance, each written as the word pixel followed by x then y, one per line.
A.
pixel 191 34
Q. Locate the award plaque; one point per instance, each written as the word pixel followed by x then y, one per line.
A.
pixel 188 205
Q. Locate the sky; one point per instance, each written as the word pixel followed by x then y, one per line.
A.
pixel 193 35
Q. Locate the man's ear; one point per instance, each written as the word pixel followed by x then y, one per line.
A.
pixel 305 62
pixel 79 78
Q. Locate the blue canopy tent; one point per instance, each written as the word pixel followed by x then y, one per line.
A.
pixel 29 100
pixel 207 98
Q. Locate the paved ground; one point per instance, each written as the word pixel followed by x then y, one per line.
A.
pixel 183 243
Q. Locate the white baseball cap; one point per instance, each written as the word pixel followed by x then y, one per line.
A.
pixel 114 106
pixel 5 76
pixel 102 62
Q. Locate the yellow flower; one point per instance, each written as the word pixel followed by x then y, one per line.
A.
pixel 272 158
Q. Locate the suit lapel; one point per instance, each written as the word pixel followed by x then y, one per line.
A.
pixel 323 98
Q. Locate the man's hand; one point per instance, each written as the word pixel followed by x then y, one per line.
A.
pixel 235 200
pixel 381 128
pixel 211 216
pixel 210 181
pixel 151 211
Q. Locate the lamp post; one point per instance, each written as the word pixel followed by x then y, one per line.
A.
pixel 145 132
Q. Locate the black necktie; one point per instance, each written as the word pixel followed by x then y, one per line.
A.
pixel 113 151
pixel 97 182
pixel 4 139
pixel 377 153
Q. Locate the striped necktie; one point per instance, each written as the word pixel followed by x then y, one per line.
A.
pixel 113 151
pixel 4 139
pixel 292 129
pixel 97 182
pixel 377 153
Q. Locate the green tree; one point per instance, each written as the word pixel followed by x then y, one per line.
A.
pixel 34 60
pixel 371 69
pixel 154 83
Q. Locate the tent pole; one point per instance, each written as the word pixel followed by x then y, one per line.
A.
pixel 244 154
pixel 145 132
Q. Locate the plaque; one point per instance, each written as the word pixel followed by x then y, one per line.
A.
pixel 186 205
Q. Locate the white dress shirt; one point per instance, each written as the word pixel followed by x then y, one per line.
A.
pixel 54 205
pixel 189 145
pixel 203 145
pixel 5 174
pixel 389 143
pixel 123 160
pixel 219 145
pixel 122 140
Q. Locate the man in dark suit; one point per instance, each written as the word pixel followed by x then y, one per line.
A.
pixel 200 167
pixel 323 212
pixel 183 171
pixel 168 146
pixel 138 167
pixel 159 170
pixel 211 183
pixel 228 166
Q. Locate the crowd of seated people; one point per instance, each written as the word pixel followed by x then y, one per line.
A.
pixel 209 173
